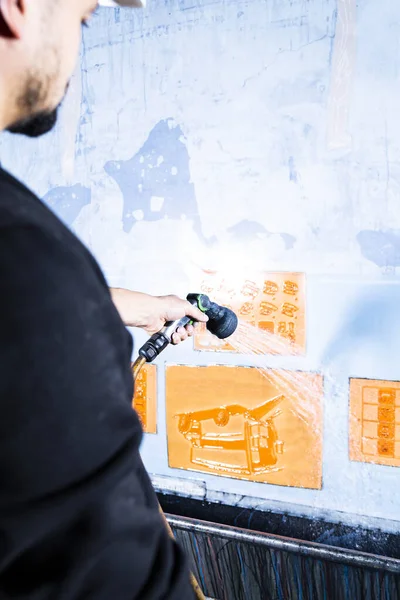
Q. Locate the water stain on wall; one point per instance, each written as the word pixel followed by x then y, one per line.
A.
pixel 68 202
pixel 145 398
pixel 156 182
pixel 273 302
pixel 380 247
pixel 375 421
pixel 234 422
pixel 342 75
pixel 248 231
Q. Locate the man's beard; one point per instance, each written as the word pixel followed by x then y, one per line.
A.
pixel 37 122
pixel 36 125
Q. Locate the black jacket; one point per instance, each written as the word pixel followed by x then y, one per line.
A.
pixel 78 515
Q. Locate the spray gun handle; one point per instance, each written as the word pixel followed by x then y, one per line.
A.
pixel 172 327
pixel 160 340
pixel 222 323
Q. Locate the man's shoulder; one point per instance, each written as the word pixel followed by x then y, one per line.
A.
pixel 30 233
pixel 20 207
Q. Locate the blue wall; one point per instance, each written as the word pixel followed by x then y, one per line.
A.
pixel 262 133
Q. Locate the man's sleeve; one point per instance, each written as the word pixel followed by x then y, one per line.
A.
pixel 78 516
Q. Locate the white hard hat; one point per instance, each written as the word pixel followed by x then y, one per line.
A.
pixel 115 3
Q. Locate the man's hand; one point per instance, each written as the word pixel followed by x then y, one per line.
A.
pixel 151 313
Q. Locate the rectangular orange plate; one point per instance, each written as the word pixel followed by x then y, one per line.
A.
pixel 241 422
pixel 145 398
pixel 375 421
pixel 274 303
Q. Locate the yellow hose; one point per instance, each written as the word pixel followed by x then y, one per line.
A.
pixel 136 367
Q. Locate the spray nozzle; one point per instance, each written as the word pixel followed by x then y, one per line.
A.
pixel 222 321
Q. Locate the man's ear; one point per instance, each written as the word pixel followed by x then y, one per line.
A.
pixel 12 18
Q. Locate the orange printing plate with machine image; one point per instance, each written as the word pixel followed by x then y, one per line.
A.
pixel 242 423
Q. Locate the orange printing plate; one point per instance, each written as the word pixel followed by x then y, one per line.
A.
pixel 375 421
pixel 145 398
pixel 272 302
pixel 246 424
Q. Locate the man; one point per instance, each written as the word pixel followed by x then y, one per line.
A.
pixel 78 515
